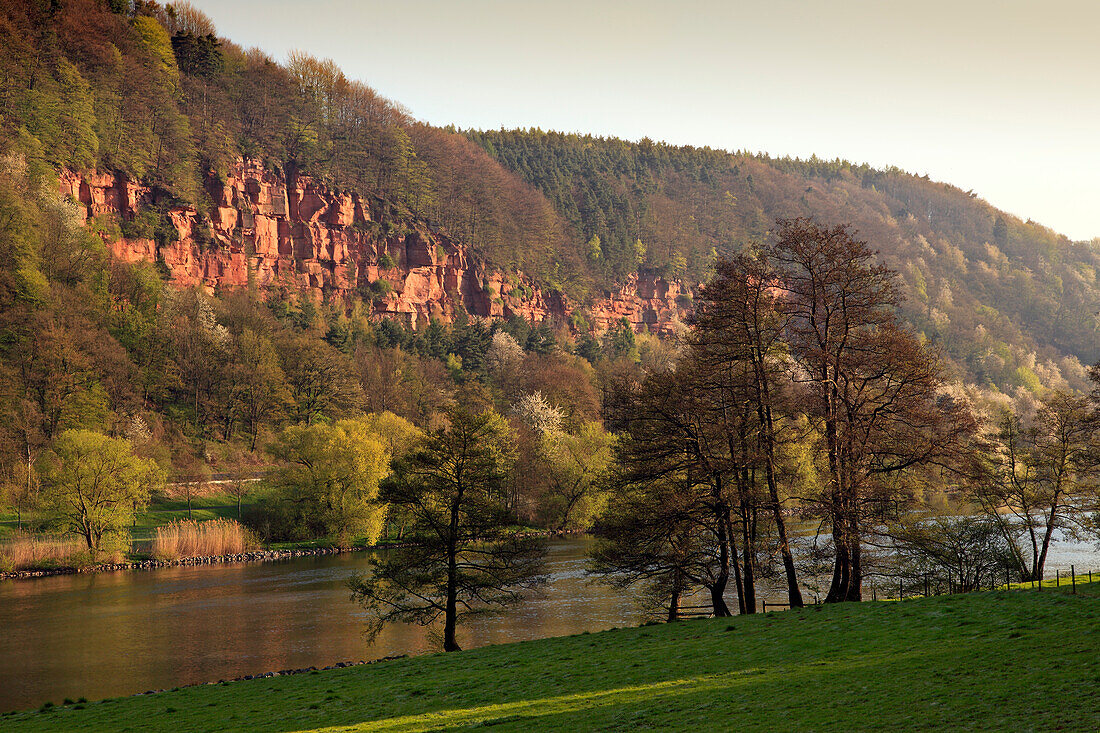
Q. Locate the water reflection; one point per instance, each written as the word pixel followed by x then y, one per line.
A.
pixel 103 635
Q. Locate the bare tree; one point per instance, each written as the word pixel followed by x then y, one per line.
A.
pixel 1041 476
pixel 739 325
pixel 876 389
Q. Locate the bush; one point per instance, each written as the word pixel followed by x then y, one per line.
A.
pixel 380 289
pixel 25 551
pixel 186 538
pixel 280 520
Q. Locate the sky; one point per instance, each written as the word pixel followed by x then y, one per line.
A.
pixel 999 97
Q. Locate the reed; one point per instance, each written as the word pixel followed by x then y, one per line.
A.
pixel 26 551
pixel 187 538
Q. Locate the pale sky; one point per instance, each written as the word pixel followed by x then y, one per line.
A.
pixel 1002 97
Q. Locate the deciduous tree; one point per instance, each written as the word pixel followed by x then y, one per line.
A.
pixel 93 484
pixel 463 552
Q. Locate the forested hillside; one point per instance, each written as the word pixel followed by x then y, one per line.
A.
pixel 173 144
pixel 1011 302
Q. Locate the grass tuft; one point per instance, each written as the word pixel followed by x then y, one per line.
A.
pixel 186 538
pixel 25 551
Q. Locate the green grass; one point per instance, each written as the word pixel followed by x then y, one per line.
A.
pixel 161 511
pixel 992 660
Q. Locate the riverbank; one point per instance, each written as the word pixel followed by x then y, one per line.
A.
pixel 992 660
pixel 153 564
pixel 267 555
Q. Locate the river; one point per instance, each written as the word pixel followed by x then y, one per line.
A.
pixel 109 634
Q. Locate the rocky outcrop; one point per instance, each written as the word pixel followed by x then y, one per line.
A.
pixel 272 230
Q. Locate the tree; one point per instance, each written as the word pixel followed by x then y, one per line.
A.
pixel 619 342
pixel 952 552
pixel 190 476
pixel 574 466
pixel 94 484
pixel 649 536
pixel 257 384
pixel 244 470
pixel 739 327
pixel 1041 476
pixel 671 452
pixel 321 379
pixel 464 554
pixel 873 386
pixel 330 478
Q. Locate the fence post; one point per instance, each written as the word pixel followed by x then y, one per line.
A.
pixel 926 585
pixel 901 590
pixel 765 608
pixel 874 595
pixel 1008 583
pixel 1073 577
pixel 1057 578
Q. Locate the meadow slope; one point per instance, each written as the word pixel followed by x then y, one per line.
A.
pixel 993 660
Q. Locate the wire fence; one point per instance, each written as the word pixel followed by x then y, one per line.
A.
pixel 931 585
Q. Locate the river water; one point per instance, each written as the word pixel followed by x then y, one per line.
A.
pixel 110 634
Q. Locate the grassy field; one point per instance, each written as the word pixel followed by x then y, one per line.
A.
pixel 161 511
pixel 993 660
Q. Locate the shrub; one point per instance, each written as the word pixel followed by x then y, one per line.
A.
pixel 380 289
pixel 186 538
pixel 25 551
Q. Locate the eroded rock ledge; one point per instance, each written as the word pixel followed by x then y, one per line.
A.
pixel 278 231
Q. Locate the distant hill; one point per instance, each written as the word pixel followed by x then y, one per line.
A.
pixel 150 94
pixel 1011 302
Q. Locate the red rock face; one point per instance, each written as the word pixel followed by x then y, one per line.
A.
pixel 295 233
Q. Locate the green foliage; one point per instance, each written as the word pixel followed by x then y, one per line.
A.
pixel 619 341
pixel 93 485
pixel 463 553
pixel 151 223
pixel 380 289
pixel 671 210
pixel 198 55
pixel 575 468
pixel 329 483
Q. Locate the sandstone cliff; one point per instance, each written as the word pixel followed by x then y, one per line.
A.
pixel 293 232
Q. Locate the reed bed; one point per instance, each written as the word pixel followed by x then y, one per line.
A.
pixel 26 551
pixel 187 538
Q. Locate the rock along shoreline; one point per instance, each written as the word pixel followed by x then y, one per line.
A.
pixel 241 557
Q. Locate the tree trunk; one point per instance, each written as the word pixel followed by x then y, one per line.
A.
pixel 854 591
pixel 674 601
pixel 740 583
pixel 794 594
pixel 749 576
pixel 451 608
pixel 1041 560
pixel 838 587
pixel 718 588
